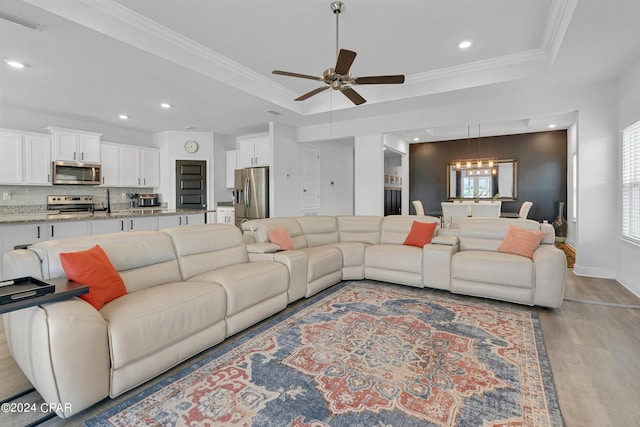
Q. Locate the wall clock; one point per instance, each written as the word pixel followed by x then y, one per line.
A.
pixel 191 146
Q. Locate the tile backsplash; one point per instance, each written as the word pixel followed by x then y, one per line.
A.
pixel 29 199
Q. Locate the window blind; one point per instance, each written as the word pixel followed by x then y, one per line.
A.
pixel 631 181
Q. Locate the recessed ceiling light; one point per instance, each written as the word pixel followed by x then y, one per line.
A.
pixel 13 63
pixel 416 139
pixel 551 126
pixel 465 44
pixel 165 105
pixel 123 116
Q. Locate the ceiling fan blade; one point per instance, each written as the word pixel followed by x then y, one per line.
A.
pixel 302 76
pixel 345 59
pixel 379 80
pixel 313 92
pixel 352 95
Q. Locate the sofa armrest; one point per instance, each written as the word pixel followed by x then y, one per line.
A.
pixel 436 265
pixel 297 265
pixel 445 240
pixel 21 263
pixel 262 248
pixel 551 276
pixel 63 349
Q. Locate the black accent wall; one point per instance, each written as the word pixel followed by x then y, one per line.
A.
pixel 542 169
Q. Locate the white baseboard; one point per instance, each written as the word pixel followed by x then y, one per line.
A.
pixel 600 273
pixel 633 288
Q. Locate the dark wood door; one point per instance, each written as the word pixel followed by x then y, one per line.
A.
pixel 191 184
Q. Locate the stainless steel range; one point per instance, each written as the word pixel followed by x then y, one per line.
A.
pixel 70 205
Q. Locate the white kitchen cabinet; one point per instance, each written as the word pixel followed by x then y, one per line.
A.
pixel 109 155
pixel 75 145
pixel 232 164
pixel 11 161
pixel 26 158
pixel 37 159
pixel 149 167
pixel 178 220
pixel 130 166
pixel 129 163
pixel 255 150
pixel 116 225
pixel 225 215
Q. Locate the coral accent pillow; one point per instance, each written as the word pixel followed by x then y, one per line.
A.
pixel 520 241
pixel 280 236
pixel 420 234
pixel 93 268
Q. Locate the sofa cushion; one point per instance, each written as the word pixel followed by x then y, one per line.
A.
pixel 322 260
pixel 93 268
pixel 280 236
pixel 420 234
pixel 486 234
pixel 493 267
pixel 248 284
pixel 361 228
pixel 201 248
pixel 319 230
pixel 259 228
pixel 519 241
pixel 394 257
pixel 142 322
pixel 395 228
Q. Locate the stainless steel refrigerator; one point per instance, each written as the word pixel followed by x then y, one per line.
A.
pixel 251 193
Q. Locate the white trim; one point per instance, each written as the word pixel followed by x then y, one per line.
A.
pixel 600 273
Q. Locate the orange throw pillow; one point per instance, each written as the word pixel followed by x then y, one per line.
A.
pixel 420 234
pixel 93 268
pixel 280 236
pixel 520 241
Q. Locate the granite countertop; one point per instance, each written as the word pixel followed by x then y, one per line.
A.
pixel 23 218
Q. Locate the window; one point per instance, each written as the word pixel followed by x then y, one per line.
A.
pixel 631 182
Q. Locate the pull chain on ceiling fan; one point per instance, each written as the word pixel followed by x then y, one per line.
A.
pixel 339 77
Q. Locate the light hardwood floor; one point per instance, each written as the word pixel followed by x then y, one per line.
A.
pixel 594 352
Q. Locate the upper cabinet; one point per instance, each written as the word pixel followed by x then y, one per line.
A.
pixel 255 150
pixel 130 166
pixel 74 145
pixel 232 157
pixel 26 158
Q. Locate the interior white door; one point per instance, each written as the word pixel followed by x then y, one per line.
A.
pixel 310 177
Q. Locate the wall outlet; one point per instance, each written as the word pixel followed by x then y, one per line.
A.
pixel 6 195
pixel 124 196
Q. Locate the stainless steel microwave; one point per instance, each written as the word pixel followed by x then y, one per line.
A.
pixel 74 173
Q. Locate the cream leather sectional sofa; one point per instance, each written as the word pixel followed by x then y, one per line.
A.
pixel 188 288
pixel 464 260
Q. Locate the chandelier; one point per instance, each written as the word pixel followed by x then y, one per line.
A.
pixel 478 165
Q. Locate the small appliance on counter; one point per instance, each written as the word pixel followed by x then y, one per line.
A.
pixel 148 200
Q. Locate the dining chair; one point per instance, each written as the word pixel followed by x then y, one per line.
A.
pixel 524 209
pixel 453 213
pixel 491 210
pixel 417 204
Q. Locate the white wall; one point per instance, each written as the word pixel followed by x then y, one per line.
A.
pixel 221 143
pixel 171 144
pixel 572 148
pixel 336 178
pixel 369 175
pixel 628 268
pixel 285 187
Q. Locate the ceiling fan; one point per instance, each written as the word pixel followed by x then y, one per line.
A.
pixel 339 77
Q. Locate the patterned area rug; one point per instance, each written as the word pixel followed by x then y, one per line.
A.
pixel 365 354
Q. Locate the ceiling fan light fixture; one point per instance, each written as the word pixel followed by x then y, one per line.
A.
pixel 339 77
pixel 465 44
